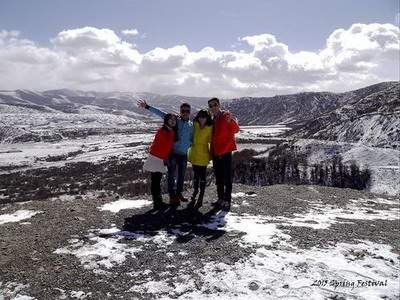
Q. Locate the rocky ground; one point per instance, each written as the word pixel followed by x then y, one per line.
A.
pixel 281 241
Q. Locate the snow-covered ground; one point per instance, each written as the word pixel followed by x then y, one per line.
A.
pixel 93 148
pixel 13 290
pixel 162 264
pixel 88 118
pixel 384 163
pixel 17 216
pixel 267 130
pixel 256 146
pixel 261 132
pixel 120 204
pixel 277 269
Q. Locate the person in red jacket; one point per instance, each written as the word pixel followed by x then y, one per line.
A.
pixel 158 156
pixel 223 143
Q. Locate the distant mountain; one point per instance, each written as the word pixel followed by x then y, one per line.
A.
pixel 27 116
pixel 72 101
pixel 373 118
pixel 370 114
pixel 296 108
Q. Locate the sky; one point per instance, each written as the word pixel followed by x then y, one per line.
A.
pixel 198 48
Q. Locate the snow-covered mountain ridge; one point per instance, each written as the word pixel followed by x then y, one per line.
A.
pixel 369 115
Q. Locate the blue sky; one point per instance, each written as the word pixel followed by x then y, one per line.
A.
pixel 199 48
pixel 304 25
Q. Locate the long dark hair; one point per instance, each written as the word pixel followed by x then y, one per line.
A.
pixel 166 126
pixel 204 113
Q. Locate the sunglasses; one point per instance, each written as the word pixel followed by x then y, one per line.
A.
pixel 185 110
pixel 213 105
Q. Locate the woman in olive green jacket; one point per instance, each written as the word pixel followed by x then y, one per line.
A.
pixel 199 155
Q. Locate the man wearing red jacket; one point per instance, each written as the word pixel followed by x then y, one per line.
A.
pixel 222 144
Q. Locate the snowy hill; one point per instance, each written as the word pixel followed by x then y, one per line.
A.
pixel 53 115
pixel 372 119
pixel 69 101
pixel 370 114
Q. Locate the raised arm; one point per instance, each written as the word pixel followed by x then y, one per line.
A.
pixel 143 104
pixel 233 122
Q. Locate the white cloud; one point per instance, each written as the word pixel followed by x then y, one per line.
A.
pixel 93 58
pixel 130 32
pixel 86 38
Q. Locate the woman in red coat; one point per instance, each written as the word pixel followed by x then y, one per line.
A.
pixel 159 152
pixel 223 143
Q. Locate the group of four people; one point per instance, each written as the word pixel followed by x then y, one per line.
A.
pixel 210 136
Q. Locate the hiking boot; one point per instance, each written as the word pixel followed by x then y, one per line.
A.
pixel 174 200
pixel 191 203
pixel 181 198
pixel 198 204
pixel 226 206
pixel 159 206
pixel 217 203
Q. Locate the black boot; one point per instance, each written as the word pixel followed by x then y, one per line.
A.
pixel 158 204
pixel 191 203
pixel 195 188
pixel 226 206
pixel 199 202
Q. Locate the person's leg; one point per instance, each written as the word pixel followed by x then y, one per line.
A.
pixel 182 164
pixel 171 175
pixel 156 188
pixel 219 180
pixel 227 171
pixel 196 181
pixel 202 175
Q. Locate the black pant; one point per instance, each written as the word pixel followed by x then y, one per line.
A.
pixel 156 187
pixel 223 176
pixel 199 180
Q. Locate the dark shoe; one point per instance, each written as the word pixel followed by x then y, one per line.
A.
pixel 217 203
pixel 191 203
pixel 181 198
pixel 174 200
pixel 198 204
pixel 159 206
pixel 226 206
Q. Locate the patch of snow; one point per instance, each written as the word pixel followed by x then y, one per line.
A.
pixel 80 294
pixel 322 216
pixel 17 216
pixel 257 229
pixel 62 292
pixel 268 130
pixel 99 252
pixel 344 269
pixel 12 290
pixel 257 147
pixel 241 194
pixel 121 204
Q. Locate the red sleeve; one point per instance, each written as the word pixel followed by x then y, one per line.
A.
pixel 234 125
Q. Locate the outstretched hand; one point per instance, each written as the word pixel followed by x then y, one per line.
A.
pixel 141 103
pixel 228 116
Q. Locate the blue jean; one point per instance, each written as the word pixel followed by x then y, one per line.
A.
pixel 176 161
